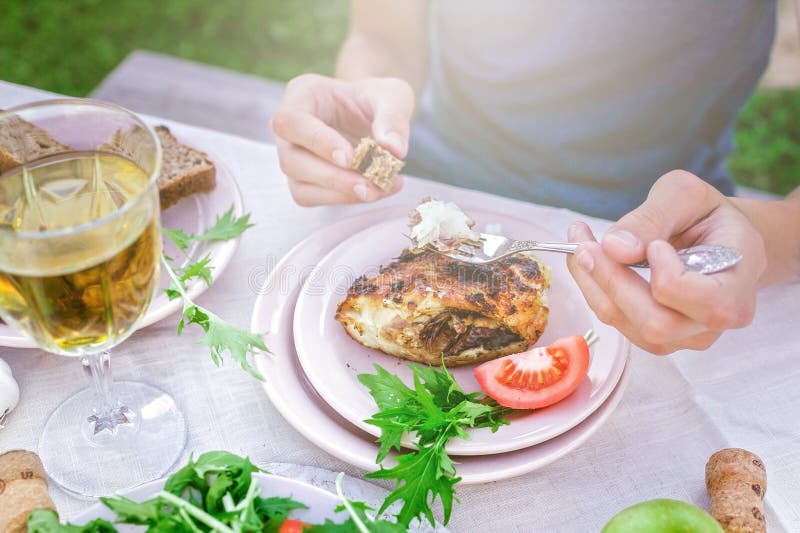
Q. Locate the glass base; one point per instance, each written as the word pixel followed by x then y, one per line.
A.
pixel 95 456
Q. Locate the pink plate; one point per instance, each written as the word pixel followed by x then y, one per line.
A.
pixel 194 215
pixel 332 361
pixel 295 398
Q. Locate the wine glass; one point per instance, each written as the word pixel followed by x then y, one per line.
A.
pixel 80 249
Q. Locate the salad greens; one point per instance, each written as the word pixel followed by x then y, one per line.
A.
pixel 435 410
pixel 216 492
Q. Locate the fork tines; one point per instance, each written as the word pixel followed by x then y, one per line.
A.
pixel 467 250
pixel 591 337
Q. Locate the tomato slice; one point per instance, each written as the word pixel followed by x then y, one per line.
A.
pixel 293 526
pixel 538 377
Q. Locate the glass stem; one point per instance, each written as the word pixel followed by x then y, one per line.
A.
pixel 108 412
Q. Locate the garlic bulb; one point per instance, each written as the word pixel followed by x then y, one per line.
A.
pixel 9 391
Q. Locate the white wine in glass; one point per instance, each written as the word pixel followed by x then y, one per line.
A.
pixel 80 248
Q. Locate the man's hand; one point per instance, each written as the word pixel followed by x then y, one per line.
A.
pixel 319 122
pixel 679 308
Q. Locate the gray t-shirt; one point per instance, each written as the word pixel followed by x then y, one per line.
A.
pixel 585 103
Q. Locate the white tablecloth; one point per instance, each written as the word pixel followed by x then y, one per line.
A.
pixel 678 410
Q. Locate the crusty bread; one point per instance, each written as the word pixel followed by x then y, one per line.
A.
pixel 184 170
pixel 376 163
pixel 19 140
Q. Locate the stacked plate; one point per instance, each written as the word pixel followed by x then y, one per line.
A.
pixel 313 372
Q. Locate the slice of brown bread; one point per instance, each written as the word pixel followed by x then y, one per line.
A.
pixel 184 170
pixel 20 140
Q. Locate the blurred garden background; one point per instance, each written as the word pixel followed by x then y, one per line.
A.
pixel 70 46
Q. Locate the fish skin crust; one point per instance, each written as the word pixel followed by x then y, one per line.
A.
pixel 430 309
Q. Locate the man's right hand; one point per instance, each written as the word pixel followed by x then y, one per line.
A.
pixel 319 122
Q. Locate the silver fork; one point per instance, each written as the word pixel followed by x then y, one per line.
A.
pixel 706 259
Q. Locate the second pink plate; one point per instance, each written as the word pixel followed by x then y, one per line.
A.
pixel 332 360
pixel 296 400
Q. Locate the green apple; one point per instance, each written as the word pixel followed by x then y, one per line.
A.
pixel 663 516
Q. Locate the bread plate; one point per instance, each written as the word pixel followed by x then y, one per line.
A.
pixel 193 214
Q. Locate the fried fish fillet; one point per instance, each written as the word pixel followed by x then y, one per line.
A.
pixel 427 308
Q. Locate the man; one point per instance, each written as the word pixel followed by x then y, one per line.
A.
pixel 574 103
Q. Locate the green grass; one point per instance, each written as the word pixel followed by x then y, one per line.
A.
pixel 68 46
pixel 768 142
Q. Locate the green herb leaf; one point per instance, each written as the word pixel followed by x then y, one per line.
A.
pixel 220 336
pixel 359 521
pixel 240 343
pixel 193 475
pixel 224 228
pixel 388 390
pixel 179 237
pixel 420 476
pixel 436 410
pixel 272 512
pixel 46 521
pixel 131 512
pixel 198 269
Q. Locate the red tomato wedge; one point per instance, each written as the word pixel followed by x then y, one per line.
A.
pixel 293 526
pixel 538 377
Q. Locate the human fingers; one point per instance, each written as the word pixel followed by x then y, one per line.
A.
pixel 599 302
pixel 316 176
pixel 675 203
pixel 309 195
pixel 719 301
pixel 301 165
pixel 653 323
pixel 610 313
pixel 392 104
pixel 303 129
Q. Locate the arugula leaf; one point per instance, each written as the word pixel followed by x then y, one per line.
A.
pixel 435 410
pixel 224 228
pixel 277 506
pixel 420 476
pixel 220 336
pixel 193 475
pixel 198 269
pixel 46 521
pixel 359 521
pixel 132 512
pixel 387 389
pixel 272 512
pixel 179 237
